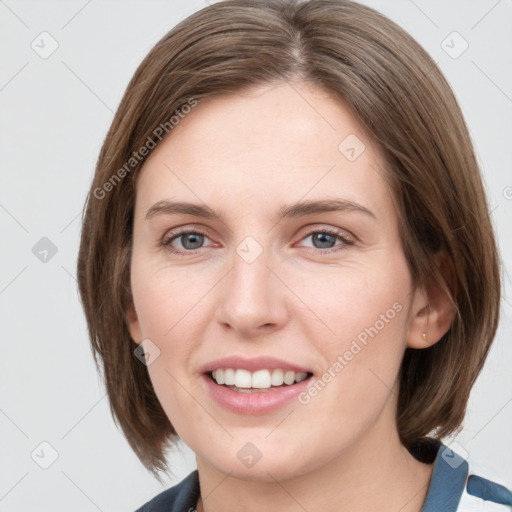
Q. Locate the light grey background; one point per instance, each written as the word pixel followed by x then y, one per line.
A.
pixel 55 112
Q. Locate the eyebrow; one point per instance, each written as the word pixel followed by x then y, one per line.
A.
pixel 300 209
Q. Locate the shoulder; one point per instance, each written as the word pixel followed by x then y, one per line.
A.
pixel 462 486
pixel 484 493
pixel 180 498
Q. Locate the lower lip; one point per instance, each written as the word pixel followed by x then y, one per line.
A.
pixel 254 402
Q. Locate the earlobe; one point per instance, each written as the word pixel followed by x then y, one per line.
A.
pixel 133 324
pixel 433 310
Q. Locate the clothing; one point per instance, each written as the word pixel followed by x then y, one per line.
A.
pixel 453 487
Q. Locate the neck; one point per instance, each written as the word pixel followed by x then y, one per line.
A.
pixel 375 473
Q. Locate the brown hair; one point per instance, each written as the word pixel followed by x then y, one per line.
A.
pixel 399 95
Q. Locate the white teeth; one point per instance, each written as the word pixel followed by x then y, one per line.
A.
pixel 261 379
pixel 299 377
pixel 229 377
pixel 243 379
pixel 289 377
pixel 277 377
pixel 218 375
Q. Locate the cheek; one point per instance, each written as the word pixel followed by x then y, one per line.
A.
pixel 364 310
pixel 171 311
pixel 166 299
pixel 355 300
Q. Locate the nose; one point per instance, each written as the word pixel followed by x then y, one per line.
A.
pixel 252 300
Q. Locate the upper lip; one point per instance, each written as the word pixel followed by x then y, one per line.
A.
pixel 252 365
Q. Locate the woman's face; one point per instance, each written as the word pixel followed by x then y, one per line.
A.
pixel 272 253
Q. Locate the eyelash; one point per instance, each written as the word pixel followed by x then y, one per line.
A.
pixel 167 241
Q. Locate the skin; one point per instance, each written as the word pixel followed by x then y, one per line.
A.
pixel 245 155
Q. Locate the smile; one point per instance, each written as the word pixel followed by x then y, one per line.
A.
pixel 245 381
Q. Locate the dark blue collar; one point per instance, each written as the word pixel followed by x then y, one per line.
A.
pixel 448 480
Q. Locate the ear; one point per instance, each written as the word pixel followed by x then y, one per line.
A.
pixel 433 310
pixel 134 325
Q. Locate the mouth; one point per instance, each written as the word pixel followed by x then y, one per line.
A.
pixel 259 381
pixel 254 386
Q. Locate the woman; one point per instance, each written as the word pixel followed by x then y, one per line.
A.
pixel 287 262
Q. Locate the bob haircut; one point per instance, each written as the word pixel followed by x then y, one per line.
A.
pixel 398 94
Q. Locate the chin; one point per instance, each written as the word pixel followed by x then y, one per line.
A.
pixel 269 463
pixel 268 471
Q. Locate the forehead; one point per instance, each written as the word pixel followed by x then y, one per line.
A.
pixel 274 143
